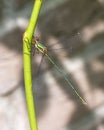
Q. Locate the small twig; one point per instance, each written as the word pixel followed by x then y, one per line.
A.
pixel 27 38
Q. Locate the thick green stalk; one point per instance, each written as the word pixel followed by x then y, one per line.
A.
pixel 27 38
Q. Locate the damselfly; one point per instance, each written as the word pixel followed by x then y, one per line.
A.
pixel 37 45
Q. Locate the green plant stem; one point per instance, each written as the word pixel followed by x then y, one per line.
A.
pixel 27 38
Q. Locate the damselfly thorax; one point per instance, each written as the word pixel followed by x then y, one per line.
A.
pixel 39 46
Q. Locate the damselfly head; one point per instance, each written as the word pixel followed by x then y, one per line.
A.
pixel 35 40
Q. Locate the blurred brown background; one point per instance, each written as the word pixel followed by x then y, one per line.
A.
pixel 75 26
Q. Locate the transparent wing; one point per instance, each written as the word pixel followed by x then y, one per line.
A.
pixel 65 78
pixel 64 45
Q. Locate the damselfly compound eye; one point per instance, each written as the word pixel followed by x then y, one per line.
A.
pixel 36 38
pixel 33 42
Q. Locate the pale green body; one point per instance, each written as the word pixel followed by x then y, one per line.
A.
pixel 43 49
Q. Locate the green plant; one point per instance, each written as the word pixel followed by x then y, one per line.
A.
pixel 27 39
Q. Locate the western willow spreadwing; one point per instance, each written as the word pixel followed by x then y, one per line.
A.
pixel 40 47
